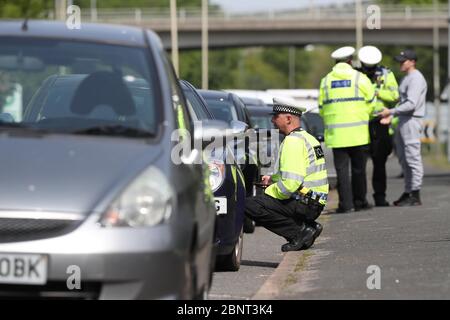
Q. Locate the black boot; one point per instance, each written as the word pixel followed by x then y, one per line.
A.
pixel 296 244
pixel 415 198
pixel 403 199
pixel 412 200
pixel 380 201
pixel 364 206
pixel 317 231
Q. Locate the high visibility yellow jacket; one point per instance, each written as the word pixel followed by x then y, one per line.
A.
pixel 346 101
pixel 300 167
pixel 387 87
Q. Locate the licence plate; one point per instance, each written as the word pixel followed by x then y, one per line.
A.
pixel 221 205
pixel 23 268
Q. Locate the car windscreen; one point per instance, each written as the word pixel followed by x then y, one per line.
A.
pixel 70 86
pixel 222 109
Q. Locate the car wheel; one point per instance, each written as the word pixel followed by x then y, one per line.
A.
pixel 232 261
pixel 249 225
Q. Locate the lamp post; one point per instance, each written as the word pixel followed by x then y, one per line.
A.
pixel 436 80
pixel 60 9
pixel 291 67
pixel 448 87
pixel 358 26
pixel 205 44
pixel 93 10
pixel 174 34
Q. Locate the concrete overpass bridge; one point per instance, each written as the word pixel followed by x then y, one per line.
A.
pixel 400 25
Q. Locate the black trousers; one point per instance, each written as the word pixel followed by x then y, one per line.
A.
pixel 380 149
pixel 286 218
pixel 352 192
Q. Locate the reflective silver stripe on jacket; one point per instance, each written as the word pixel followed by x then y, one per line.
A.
pixel 316 168
pixel 312 168
pixel 283 189
pixel 311 153
pixel 315 183
pixel 343 100
pixel 291 175
pixel 346 125
pixel 356 84
pixel 325 89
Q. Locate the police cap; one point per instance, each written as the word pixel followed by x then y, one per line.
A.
pixel 369 55
pixel 281 105
pixel 343 53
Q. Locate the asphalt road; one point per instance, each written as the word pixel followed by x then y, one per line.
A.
pixel 409 248
pixel 261 256
pixel 409 245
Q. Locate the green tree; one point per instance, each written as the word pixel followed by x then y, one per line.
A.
pixel 254 73
pixel 23 8
pixel 221 65
pixel 140 3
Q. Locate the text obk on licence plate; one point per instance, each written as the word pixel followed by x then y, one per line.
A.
pixel 23 268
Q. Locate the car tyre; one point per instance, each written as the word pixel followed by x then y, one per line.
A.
pixel 249 225
pixel 232 261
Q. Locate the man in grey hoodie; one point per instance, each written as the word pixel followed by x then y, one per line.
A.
pixel 410 111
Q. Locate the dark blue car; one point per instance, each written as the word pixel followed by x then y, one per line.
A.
pixel 228 184
pixel 229 107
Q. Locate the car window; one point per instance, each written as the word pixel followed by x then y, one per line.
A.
pixel 263 122
pixel 197 106
pixel 70 85
pixel 181 113
pixel 240 109
pixel 222 109
pixel 314 122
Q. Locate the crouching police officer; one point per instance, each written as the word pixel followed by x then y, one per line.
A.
pixel 297 192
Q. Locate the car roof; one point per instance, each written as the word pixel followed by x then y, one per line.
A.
pixel 94 32
pixel 215 94
pixel 185 84
pixel 252 101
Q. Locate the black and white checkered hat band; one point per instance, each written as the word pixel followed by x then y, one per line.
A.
pixel 279 108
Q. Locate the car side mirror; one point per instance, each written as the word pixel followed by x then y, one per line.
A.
pixel 207 130
pixel 238 127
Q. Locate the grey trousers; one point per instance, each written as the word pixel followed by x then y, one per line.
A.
pixel 407 140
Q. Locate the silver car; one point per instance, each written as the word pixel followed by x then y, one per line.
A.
pixel 92 204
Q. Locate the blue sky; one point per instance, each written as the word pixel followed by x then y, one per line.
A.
pixel 262 5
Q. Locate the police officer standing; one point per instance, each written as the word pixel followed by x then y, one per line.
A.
pixel 345 103
pixel 410 111
pixel 297 192
pixel 386 92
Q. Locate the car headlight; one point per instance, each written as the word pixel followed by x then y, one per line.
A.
pixel 148 201
pixel 217 175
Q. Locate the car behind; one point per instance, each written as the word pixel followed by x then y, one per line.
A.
pixel 228 185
